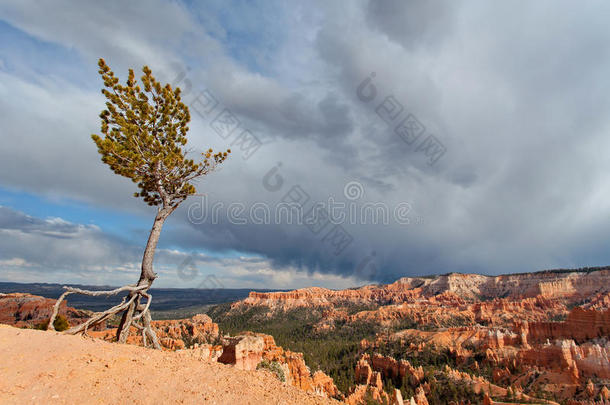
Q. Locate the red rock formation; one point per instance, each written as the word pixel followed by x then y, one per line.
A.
pixel 26 310
pixel 454 288
pixel 207 352
pixel 528 297
pixel 590 389
pixel 249 350
pixel 360 393
pixel 600 301
pixel 244 352
pixel 502 310
pixel 553 357
pixel 580 325
pixel 388 367
pixel 324 385
pixel 174 334
pixel 397 398
pixel 363 371
pixel 371 384
pixel 198 329
pixel 369 371
pixel 588 360
pixel 506 332
pixel 420 397
pixel 516 316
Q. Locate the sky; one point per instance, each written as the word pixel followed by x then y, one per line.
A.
pixel 428 137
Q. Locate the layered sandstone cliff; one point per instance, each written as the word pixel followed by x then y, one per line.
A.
pixel 519 330
pixel 27 310
pixel 472 287
pixel 581 325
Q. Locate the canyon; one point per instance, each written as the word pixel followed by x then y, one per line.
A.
pixel 456 338
pixel 525 337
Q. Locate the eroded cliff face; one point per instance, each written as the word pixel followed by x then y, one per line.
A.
pixel 450 300
pixel 299 374
pixel 521 335
pixel 559 357
pixel 27 310
pixel 247 351
pixel 581 325
pixel 579 346
pixel 370 369
pixel 573 286
pixel 577 362
pixel 388 367
pixel 201 338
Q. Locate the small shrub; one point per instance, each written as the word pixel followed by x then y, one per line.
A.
pixel 60 324
pixel 274 367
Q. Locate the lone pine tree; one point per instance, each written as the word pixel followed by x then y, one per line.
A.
pixel 143 137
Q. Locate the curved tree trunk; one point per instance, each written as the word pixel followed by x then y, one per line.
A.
pixel 147 276
pixel 135 312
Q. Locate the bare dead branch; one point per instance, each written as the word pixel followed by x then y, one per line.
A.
pixel 101 316
pixel 148 301
pixel 73 290
pixel 146 320
pixel 50 326
pixel 125 325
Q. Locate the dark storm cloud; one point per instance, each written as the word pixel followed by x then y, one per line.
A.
pixel 11 220
pixel 517 93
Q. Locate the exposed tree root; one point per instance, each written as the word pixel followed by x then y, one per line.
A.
pixel 134 313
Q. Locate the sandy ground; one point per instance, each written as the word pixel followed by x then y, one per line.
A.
pixel 39 367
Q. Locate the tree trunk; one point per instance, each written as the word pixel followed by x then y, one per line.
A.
pixel 147 275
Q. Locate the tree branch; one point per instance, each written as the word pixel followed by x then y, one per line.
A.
pixel 72 290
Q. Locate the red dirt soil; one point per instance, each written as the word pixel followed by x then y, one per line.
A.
pixel 47 367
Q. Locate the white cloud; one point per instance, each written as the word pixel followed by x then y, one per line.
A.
pixel 519 95
pixel 56 250
pixel 15 262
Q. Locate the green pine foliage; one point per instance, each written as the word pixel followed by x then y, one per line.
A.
pixel 61 324
pixel 143 138
pixel 444 390
pixel 333 351
pixel 274 367
pixel 336 351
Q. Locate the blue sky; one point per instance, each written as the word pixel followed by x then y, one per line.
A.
pixel 520 106
pixel 112 221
